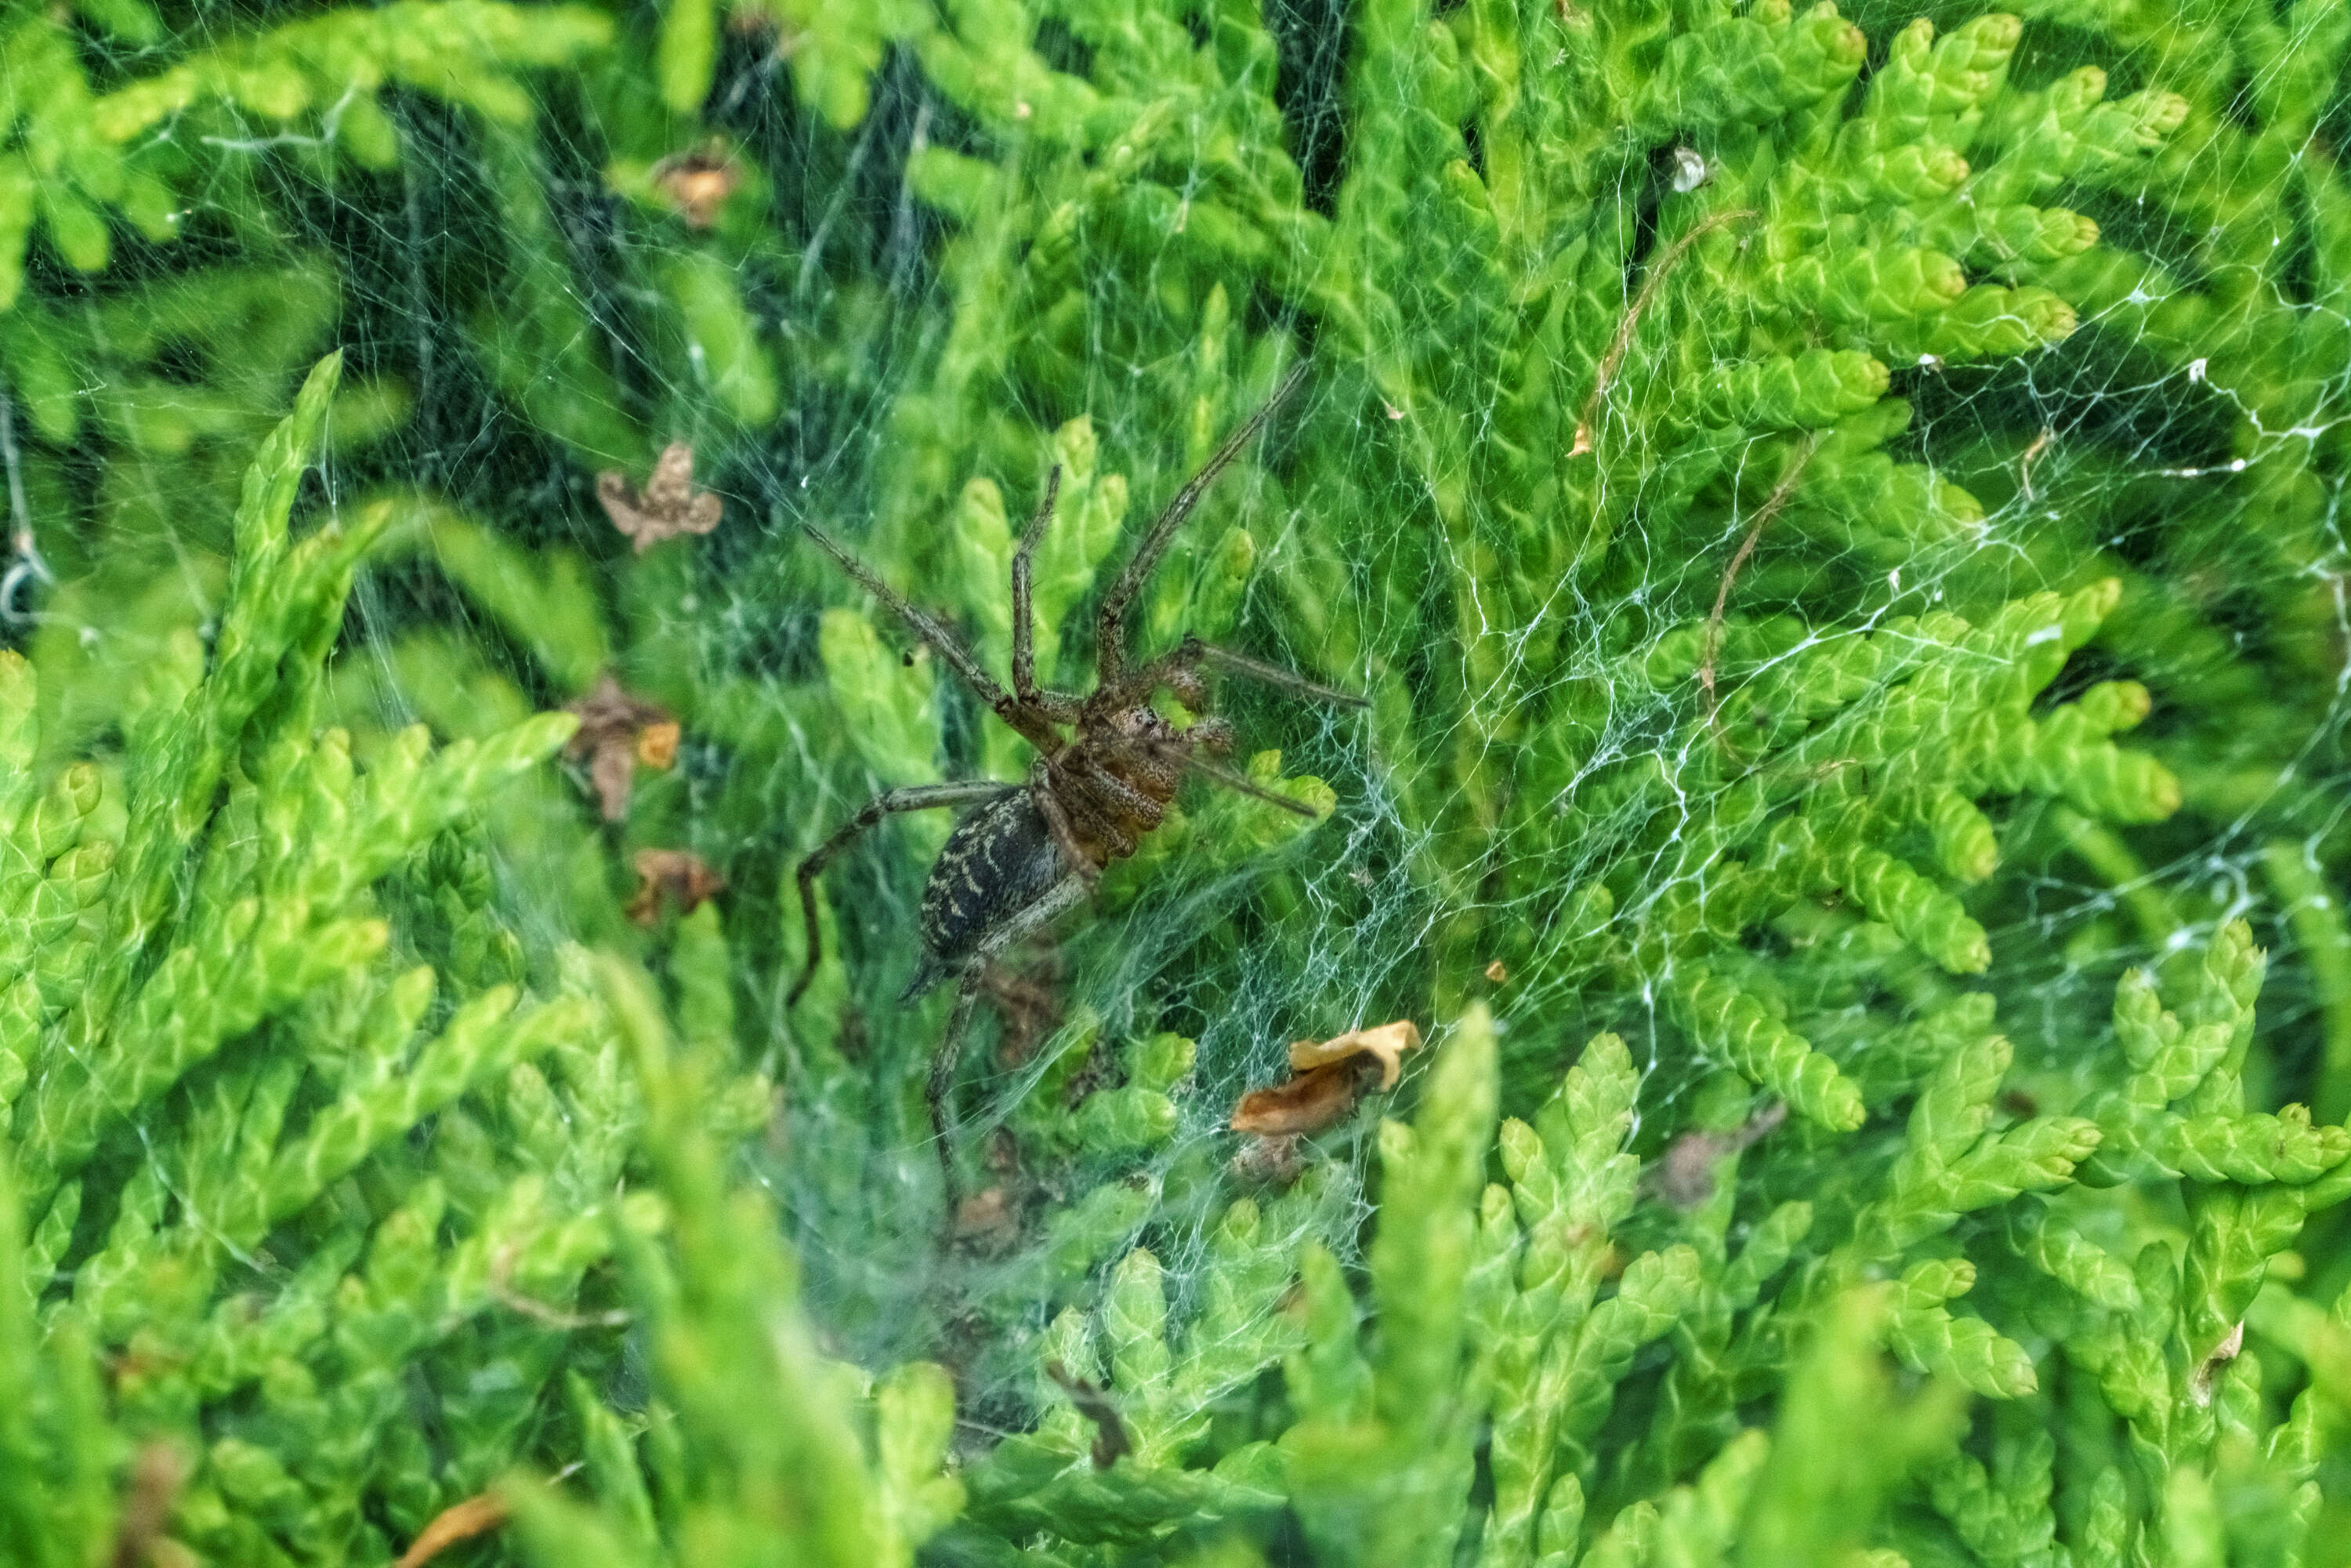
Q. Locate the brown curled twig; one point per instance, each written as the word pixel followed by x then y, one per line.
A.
pixel 1713 641
pixel 1651 281
pixel 477 1515
pixel 1110 1431
pixel 458 1522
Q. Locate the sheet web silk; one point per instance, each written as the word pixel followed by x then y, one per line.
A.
pixel 1834 514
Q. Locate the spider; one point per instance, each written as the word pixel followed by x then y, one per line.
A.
pixel 1031 852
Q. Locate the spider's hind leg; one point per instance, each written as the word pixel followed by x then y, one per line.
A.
pixel 938 1089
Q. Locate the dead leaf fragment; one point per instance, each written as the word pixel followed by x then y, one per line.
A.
pixel 1386 1044
pixel 616 732
pixel 1307 1104
pixel 667 506
pixel 1327 1078
pixel 2207 1371
pixel 697 183
pixel 1683 1175
pixel 459 1522
pixel 671 873
pixel 157 1474
pixel 1496 973
pixel 1110 1432
pixel 985 1219
pixel 657 745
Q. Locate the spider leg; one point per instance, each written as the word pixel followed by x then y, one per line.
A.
pixel 1113 811
pixel 1124 796
pixel 1214 733
pixel 1109 621
pixel 1270 674
pixel 937 1088
pixel 1243 783
pixel 958 657
pixel 1024 631
pixel 1065 832
pixel 1192 653
pixel 920 798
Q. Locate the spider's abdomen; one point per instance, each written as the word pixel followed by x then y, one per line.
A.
pixel 999 861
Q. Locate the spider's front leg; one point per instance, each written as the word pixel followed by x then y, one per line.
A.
pixel 1110 617
pixel 1053 705
pixel 1180 670
pixel 1211 731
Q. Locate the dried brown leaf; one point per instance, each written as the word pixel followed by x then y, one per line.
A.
pixel 697 183
pixel 671 873
pixel 985 1220
pixel 616 732
pixel 1683 1175
pixel 667 506
pixel 1308 1103
pixel 459 1522
pixel 657 745
pixel 2207 1371
pixel 1386 1044
pixel 157 1474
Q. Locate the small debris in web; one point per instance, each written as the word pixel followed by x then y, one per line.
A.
pixel 617 731
pixel 2200 1386
pixel 502 1291
pixel 984 1221
pixel 1327 1078
pixel 157 1473
pixel 667 506
pixel 1387 1045
pixel 697 182
pixel 1110 1432
pixel 458 1522
pixel 1496 973
pixel 1658 271
pixel 1026 1004
pixel 1713 639
pixel 657 745
pixel 1268 1161
pixel 1308 1103
pixel 671 873
pixel 2025 464
pixel 1683 1176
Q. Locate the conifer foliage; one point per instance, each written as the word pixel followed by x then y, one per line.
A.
pixel 1838 520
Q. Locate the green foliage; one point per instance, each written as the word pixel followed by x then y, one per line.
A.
pixel 1838 520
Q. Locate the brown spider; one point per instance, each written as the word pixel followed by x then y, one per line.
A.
pixel 1032 851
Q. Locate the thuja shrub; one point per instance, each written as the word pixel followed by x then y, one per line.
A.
pixel 1835 522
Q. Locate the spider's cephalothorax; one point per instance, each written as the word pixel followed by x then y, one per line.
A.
pixel 1107 766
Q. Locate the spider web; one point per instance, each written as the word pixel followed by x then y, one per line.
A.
pixel 435 273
